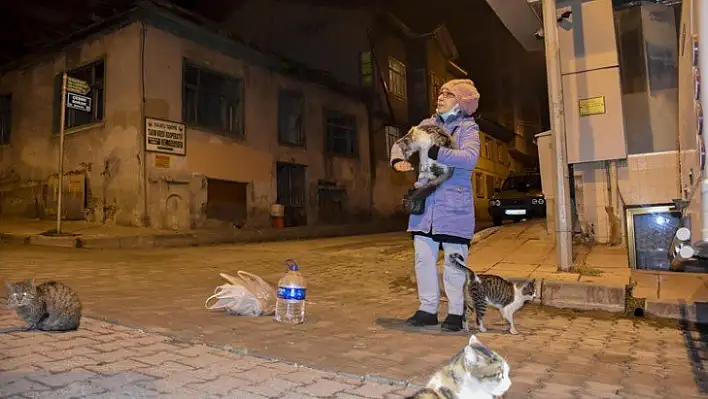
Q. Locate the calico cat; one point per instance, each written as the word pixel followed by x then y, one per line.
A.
pixel 50 306
pixel 475 372
pixel 487 289
pixel 431 173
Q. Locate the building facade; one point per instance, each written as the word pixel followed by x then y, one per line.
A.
pixel 401 70
pixel 185 127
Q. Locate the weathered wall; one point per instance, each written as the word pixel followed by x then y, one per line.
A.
pixel 253 159
pixel 108 152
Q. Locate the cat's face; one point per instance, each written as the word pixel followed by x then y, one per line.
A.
pixel 415 140
pixel 528 290
pixel 21 293
pixel 489 369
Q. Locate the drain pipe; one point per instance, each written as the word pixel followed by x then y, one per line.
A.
pixel 703 64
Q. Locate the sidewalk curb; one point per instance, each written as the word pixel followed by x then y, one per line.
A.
pixel 484 234
pixel 677 310
pixel 202 238
pixel 583 296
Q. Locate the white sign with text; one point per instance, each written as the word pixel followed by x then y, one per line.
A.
pixel 165 136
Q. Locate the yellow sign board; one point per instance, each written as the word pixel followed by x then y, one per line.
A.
pixel 77 86
pixel 162 161
pixel 592 106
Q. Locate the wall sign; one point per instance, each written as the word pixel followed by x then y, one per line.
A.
pixel 77 101
pixel 162 161
pixel 592 106
pixel 165 136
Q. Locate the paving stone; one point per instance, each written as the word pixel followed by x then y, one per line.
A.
pixel 20 386
pixel 323 388
pixel 65 378
pixel 372 390
pixel 120 380
pixel 220 386
pixel 271 388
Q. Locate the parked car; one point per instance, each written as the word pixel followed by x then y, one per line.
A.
pixel 520 197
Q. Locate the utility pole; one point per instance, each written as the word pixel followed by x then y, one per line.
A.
pixel 60 172
pixel 564 243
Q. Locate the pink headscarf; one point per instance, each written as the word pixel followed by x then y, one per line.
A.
pixel 465 93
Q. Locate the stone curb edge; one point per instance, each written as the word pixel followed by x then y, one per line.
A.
pixel 197 239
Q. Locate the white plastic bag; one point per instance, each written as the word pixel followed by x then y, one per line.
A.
pixel 246 295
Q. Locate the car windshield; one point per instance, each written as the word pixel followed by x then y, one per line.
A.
pixel 522 183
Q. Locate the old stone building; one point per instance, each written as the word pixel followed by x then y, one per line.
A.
pixel 230 131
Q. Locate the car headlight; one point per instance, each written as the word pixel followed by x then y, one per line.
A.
pixel 541 201
pixel 534 201
pixel 497 202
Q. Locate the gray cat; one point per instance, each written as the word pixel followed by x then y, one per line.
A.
pixel 431 173
pixel 487 289
pixel 50 306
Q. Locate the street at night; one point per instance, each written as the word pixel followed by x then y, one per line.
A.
pixel 352 282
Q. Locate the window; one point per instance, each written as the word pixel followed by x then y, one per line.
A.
pixel 392 135
pixel 5 119
pixel 291 112
pixel 479 185
pixel 340 133
pixel 366 69
pixel 490 186
pixel 435 85
pixel 212 101
pixel 486 147
pixel 397 78
pixel 94 75
pixel 500 152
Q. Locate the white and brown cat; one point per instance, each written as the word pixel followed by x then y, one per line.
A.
pixel 475 372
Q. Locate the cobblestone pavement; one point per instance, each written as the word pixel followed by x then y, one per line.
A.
pixel 102 360
pixel 351 282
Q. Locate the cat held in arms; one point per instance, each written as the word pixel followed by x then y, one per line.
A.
pixel 50 306
pixel 476 372
pixel 431 174
pixel 487 289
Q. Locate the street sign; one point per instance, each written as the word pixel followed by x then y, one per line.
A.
pixel 77 86
pixel 165 136
pixel 77 101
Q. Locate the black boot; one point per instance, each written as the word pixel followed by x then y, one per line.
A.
pixel 452 323
pixel 421 318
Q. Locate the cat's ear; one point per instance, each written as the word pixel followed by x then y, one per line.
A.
pixel 31 282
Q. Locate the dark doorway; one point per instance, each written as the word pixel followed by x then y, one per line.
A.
pixel 330 203
pixel 292 192
pixel 227 201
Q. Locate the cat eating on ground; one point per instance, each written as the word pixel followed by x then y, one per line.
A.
pixel 475 372
pixel 487 289
pixel 431 174
pixel 50 306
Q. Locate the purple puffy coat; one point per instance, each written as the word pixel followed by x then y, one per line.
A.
pixel 449 210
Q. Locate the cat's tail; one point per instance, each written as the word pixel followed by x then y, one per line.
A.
pixel 457 260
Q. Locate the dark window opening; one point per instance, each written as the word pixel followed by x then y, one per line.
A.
pixel 291 112
pixel 212 100
pixel 340 132
pixel 5 119
pixel 94 75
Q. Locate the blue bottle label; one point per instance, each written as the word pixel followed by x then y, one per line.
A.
pixel 292 293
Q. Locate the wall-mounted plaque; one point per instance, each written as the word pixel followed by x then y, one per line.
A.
pixel 592 106
pixel 699 119
pixel 702 152
pixel 695 51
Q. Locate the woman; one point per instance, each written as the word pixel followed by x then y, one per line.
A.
pixel 448 218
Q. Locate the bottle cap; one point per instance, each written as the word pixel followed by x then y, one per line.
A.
pixel 292 265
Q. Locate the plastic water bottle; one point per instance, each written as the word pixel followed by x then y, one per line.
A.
pixel 292 290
